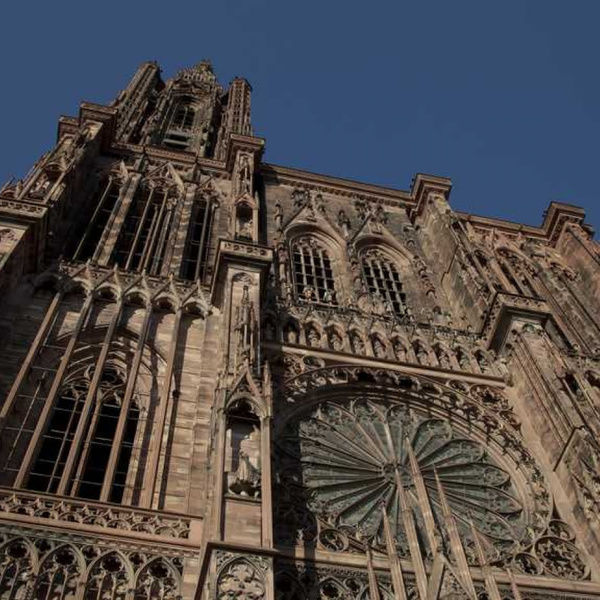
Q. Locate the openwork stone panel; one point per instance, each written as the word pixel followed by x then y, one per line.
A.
pixel 57 569
pixel 240 576
pixel 112 517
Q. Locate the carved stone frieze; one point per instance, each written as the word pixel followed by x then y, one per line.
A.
pixel 74 511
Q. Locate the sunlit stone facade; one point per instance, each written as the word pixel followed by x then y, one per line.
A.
pixel 223 378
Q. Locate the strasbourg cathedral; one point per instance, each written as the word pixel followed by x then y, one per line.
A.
pixel 227 379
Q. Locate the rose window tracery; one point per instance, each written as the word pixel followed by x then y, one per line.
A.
pixel 349 458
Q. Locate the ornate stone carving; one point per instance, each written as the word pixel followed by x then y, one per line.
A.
pixel 349 454
pixel 47 507
pixel 240 579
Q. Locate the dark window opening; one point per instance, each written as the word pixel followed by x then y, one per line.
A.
pixel 143 239
pixel 197 243
pixel 56 441
pixel 95 445
pixel 106 204
pixel 313 274
pixel 383 280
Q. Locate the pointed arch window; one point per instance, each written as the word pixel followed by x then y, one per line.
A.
pixel 106 201
pixel 16 569
pixel 59 575
pixel 198 241
pixel 180 123
pixel 515 272
pixel 382 279
pixel 144 236
pixel 108 579
pixel 183 115
pixel 313 273
pixel 94 445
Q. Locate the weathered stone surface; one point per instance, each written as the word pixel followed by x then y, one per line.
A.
pixel 223 378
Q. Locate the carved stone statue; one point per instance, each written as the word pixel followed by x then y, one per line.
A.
pixel 246 479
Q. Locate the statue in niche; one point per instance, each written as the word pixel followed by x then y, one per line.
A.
pixel 358 346
pixel 319 203
pixel 378 347
pixel 463 359
pixel 291 334
pixel 244 176
pixel 242 459
pixel 379 215
pixel 483 362
pixel 246 479
pixel 278 217
pixel 444 359
pixel 421 354
pixel 282 261
pixel 399 350
pixel 244 223
pixel 313 338
pixel 335 340
pixel 344 223
pixel 245 329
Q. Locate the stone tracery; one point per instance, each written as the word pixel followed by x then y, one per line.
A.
pixel 344 453
pixel 349 455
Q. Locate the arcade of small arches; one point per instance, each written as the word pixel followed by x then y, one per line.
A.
pixel 45 569
pixel 379 344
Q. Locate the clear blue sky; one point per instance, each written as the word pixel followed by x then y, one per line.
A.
pixel 502 97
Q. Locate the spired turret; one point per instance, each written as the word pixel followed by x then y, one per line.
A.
pixel 191 112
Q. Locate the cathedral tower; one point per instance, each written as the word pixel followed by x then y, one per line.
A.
pixel 223 378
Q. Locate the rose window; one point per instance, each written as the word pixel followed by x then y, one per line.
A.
pixel 349 459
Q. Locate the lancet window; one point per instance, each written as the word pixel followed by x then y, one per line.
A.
pixel 383 280
pixel 105 204
pixel 95 443
pixel 514 271
pixel 108 578
pixel 144 237
pixel 157 580
pixel 198 241
pixel 313 273
pixel 180 123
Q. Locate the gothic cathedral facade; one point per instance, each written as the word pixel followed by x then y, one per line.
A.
pixel 223 378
